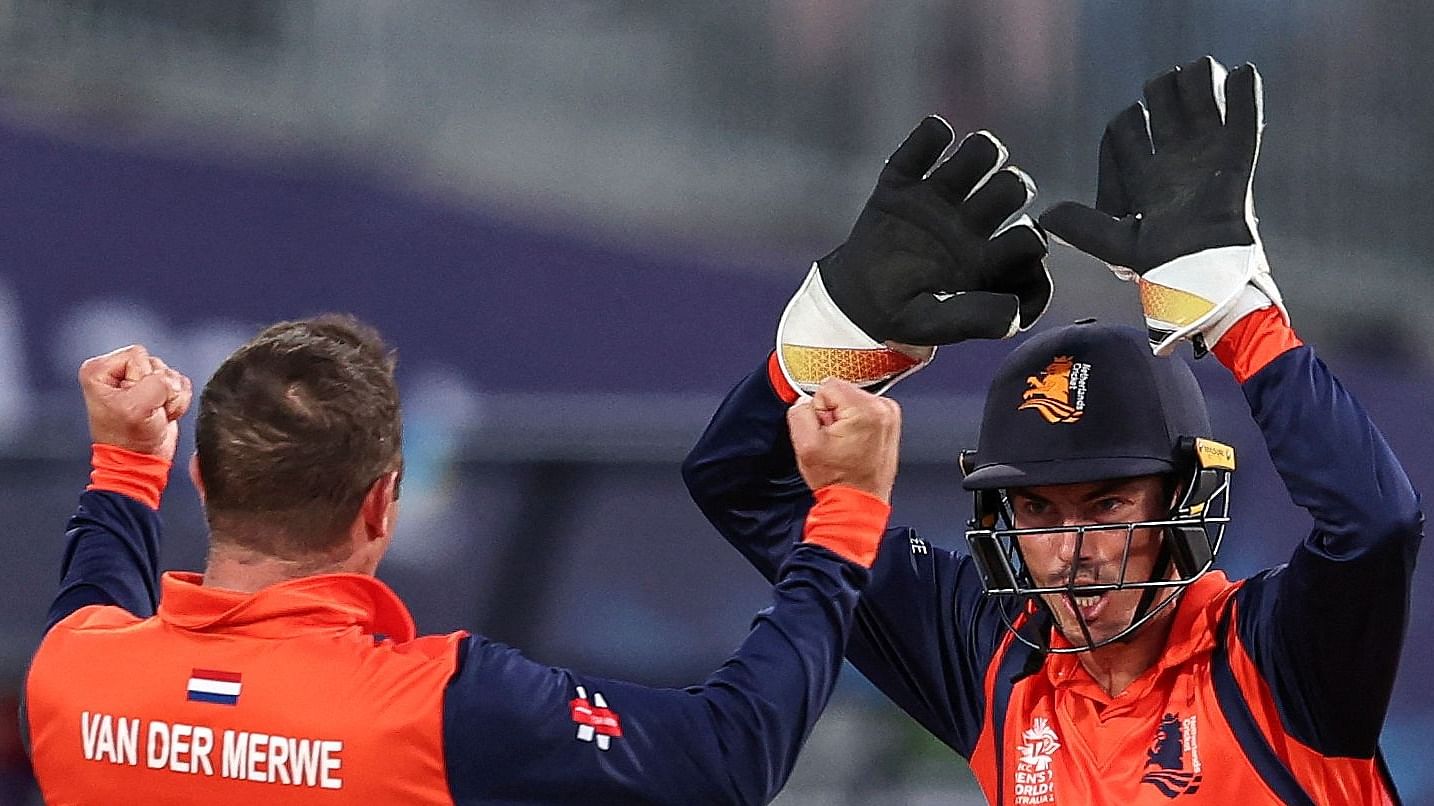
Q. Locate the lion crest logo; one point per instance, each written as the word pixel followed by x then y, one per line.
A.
pixel 1058 392
pixel 1172 763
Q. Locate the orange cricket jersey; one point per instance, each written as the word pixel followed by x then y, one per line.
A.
pixel 1065 741
pixel 1272 690
pixel 309 691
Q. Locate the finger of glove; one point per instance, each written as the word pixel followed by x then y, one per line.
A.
pixel 1244 110
pixel 930 320
pixel 1014 246
pixel 1093 232
pixel 1201 85
pixel 918 152
pixel 1127 138
pixel 997 199
pixel 975 161
pixel 1162 101
pixel 1014 263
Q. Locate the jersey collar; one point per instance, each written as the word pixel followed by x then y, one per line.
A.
pixel 319 601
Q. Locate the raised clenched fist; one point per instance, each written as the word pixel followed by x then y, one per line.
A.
pixel 134 401
pixel 844 435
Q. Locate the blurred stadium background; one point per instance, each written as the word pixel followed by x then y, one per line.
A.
pixel 578 221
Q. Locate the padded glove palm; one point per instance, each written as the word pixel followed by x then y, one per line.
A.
pixel 1174 209
pixel 927 263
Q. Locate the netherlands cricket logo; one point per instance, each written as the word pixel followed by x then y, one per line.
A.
pixel 1173 762
pixel 596 722
pixel 1035 780
pixel 1058 392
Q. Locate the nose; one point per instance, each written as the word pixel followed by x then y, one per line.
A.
pixel 1072 544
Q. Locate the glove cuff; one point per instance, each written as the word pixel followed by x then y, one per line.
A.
pixel 816 341
pixel 1204 294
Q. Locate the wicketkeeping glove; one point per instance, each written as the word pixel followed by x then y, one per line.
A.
pixel 928 262
pixel 1174 209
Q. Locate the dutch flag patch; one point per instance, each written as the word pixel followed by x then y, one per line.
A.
pixel 208 685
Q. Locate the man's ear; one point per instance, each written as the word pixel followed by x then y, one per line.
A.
pixel 194 477
pixel 380 506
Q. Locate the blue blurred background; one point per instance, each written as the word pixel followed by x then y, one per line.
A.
pixel 578 222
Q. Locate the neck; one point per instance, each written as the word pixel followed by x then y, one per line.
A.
pixel 1115 666
pixel 239 569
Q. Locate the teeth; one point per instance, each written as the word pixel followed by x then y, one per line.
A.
pixel 1087 601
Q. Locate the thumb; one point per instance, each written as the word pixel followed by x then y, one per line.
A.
pixel 803 425
pixel 1093 232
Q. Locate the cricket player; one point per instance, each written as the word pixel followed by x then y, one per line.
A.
pixel 286 673
pixel 1084 650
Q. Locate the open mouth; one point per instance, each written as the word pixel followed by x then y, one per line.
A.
pixel 1088 608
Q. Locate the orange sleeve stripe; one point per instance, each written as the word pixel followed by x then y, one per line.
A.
pixel 778 380
pixel 848 522
pixel 1255 341
pixel 140 476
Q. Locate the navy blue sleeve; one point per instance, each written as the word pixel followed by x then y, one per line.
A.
pixel 111 557
pixel 925 631
pixel 1326 629
pixel 518 731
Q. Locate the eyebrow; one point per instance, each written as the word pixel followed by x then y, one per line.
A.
pixel 1105 489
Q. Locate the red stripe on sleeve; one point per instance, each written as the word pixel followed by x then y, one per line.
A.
pixel 778 380
pixel 140 476
pixel 1254 341
pixel 848 522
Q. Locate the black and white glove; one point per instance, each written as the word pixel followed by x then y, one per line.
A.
pixel 937 256
pixel 1174 208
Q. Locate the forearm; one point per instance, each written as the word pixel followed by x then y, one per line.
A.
pixel 1331 457
pixel 763 703
pixel 112 541
pixel 555 735
pixel 743 476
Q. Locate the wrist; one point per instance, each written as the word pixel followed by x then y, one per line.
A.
pixel 848 522
pixel 1258 338
pixel 141 476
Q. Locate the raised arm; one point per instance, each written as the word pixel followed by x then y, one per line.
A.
pixel 924 632
pixel 561 736
pixel 134 402
pixel 743 475
pixel 1326 630
pixel 928 262
pixel 1175 214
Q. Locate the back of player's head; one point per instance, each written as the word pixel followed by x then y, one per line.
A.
pixel 293 429
pixel 1085 402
